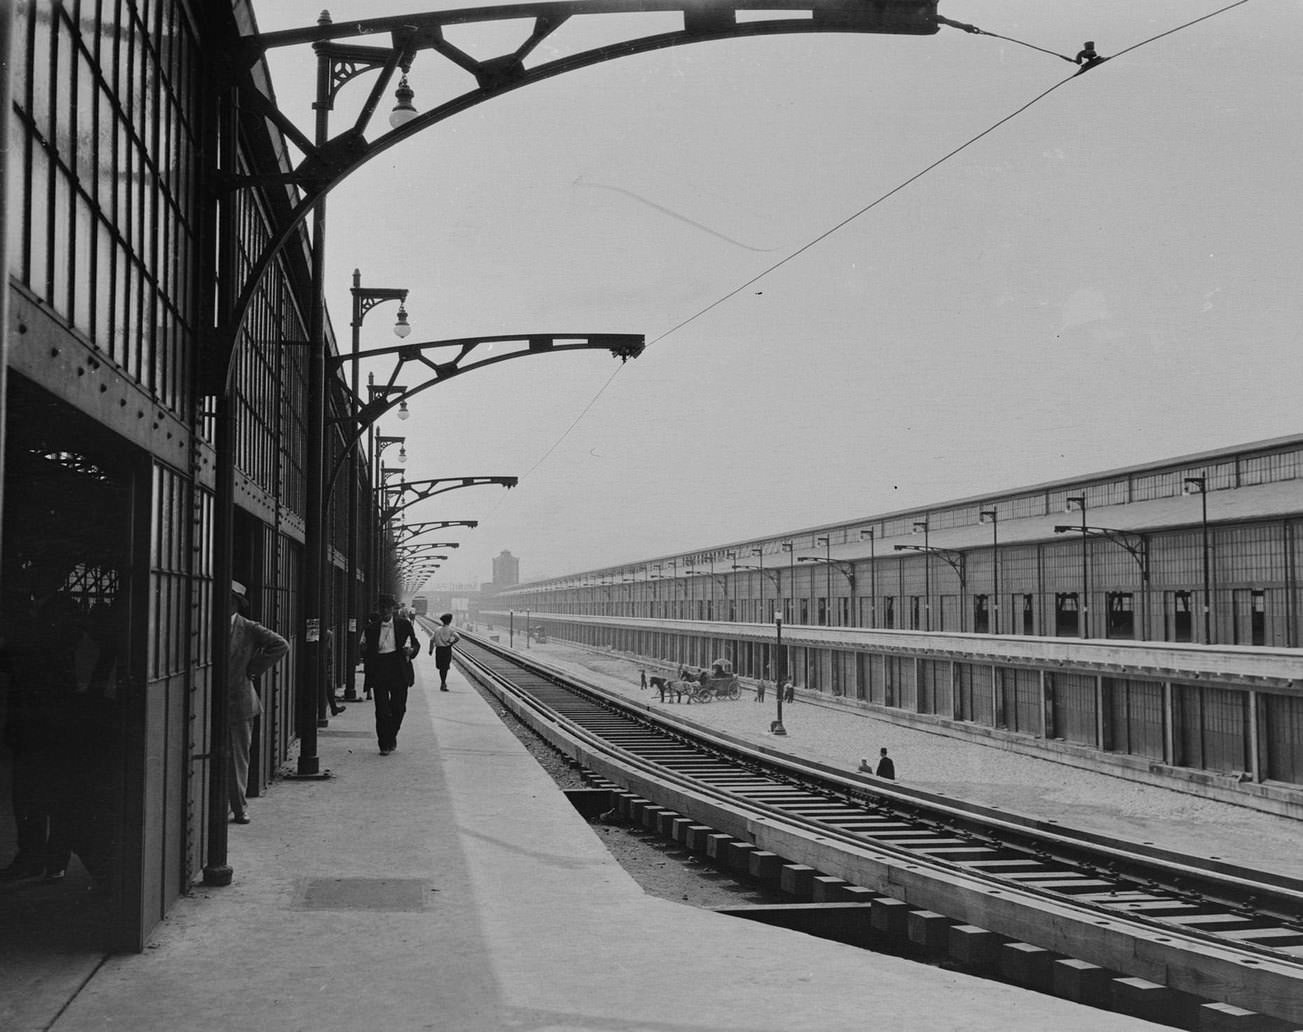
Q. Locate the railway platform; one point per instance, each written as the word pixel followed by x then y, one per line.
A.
pixel 450 886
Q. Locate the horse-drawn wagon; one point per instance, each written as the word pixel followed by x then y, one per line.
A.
pixel 719 682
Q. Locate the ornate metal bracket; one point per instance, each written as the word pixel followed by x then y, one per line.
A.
pixel 385 396
pixel 411 530
pixel 423 489
pixel 643 30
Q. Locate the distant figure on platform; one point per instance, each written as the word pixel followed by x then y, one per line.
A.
pixel 442 639
pixel 789 691
pixel 387 650
pixel 760 690
pixel 254 648
pixel 642 677
pixel 886 769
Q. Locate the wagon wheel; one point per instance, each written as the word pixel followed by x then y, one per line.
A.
pixel 703 695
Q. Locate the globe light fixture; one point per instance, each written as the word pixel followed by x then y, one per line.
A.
pixel 402 410
pixel 404 111
pixel 401 327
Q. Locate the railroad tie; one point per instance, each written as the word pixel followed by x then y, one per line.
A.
pixel 797 880
pixel 977 949
pixel 1142 998
pixel 1031 967
pixel 929 929
pixel 1082 982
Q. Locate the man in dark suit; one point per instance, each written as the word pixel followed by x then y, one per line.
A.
pixel 387 650
pixel 254 649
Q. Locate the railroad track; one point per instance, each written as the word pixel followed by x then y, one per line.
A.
pixel 1203 928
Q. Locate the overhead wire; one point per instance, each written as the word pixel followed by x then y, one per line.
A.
pixel 944 158
pixel 892 192
pixel 867 208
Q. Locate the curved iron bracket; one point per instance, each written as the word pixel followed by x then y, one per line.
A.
pixel 411 530
pixel 420 490
pixel 384 396
pixel 955 560
pixel 846 569
pixel 1137 545
pixel 323 168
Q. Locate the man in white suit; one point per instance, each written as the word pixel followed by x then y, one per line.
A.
pixel 254 648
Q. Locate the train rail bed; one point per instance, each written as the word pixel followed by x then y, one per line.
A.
pixel 1199 926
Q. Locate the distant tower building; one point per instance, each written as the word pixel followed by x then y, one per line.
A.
pixel 506 570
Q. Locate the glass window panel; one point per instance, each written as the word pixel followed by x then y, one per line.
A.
pixel 122 179
pixel 39 207
pixel 83 279
pixel 65 98
pixel 103 286
pixel 86 140
pixel 133 355
pixel 42 66
pixel 148 213
pixel 121 284
pixel 60 243
pixel 104 129
pixel 18 206
pixel 148 90
pixel 122 82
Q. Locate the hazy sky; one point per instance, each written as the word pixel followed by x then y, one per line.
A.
pixel 1109 278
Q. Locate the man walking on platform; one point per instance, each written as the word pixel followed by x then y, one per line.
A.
pixel 387 650
pixel 442 639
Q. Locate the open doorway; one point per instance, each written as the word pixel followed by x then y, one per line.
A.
pixel 67 675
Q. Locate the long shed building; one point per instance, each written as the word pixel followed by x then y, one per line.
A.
pixel 1146 619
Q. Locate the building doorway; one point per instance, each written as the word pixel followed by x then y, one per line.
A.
pixel 72 677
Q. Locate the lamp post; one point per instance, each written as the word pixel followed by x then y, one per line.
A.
pixel 759 553
pixel 873 575
pixel 381 442
pixel 1079 502
pixel 924 527
pixel 1200 484
pixel 826 541
pixel 364 299
pixel 790 548
pixel 992 517
pixel 780 674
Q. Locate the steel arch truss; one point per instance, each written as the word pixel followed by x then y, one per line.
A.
pixel 541 53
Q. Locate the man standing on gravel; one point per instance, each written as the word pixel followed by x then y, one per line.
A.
pixel 442 639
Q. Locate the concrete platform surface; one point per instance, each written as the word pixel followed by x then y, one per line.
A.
pixel 451 886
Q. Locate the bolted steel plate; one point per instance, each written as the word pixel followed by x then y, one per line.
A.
pixel 391 894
